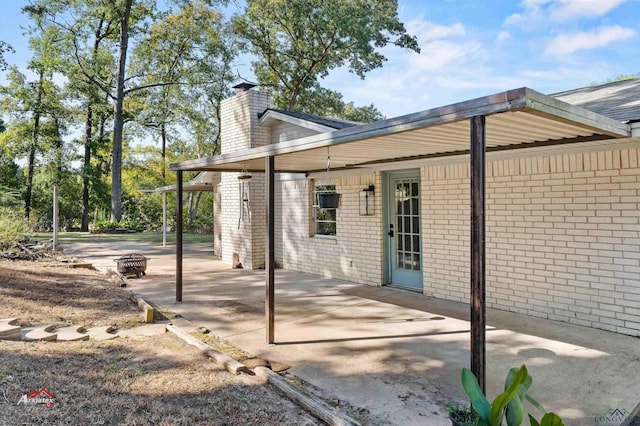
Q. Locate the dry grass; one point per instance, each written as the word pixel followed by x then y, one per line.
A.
pixel 155 380
pixel 41 294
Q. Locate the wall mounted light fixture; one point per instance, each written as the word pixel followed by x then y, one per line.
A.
pixel 367 201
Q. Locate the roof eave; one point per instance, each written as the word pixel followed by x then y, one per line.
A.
pixel 270 116
pixel 522 99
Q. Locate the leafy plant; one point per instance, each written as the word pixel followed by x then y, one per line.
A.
pixel 462 414
pixel 124 225
pixel 13 228
pixel 508 404
pixel 9 197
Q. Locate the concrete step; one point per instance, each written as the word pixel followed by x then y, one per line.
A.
pixel 72 333
pixel 9 329
pixel 39 333
pixel 102 333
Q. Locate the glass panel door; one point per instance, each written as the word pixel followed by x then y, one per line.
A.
pixel 404 230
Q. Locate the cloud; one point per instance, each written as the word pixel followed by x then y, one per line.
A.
pixel 582 40
pixel 503 36
pixel 426 31
pixel 571 9
pixel 539 12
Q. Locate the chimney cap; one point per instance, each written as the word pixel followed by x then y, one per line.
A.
pixel 243 87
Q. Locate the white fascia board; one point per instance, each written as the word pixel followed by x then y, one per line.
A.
pixel 270 116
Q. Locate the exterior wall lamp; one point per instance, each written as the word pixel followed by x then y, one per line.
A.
pixel 367 201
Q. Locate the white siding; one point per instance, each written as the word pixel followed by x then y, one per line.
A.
pixel 282 131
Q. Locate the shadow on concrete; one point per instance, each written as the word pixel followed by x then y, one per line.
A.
pixel 382 349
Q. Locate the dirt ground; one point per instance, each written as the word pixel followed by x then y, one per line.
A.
pixel 134 381
pixel 39 293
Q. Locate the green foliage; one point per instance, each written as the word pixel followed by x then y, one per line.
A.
pixel 298 43
pixel 508 403
pixel 9 197
pixel 123 225
pixel 4 48
pixel 202 225
pixel 13 227
pixel 549 419
pixel 621 77
pixel 462 414
pixel 329 103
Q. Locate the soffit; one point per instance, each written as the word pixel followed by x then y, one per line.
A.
pixel 514 119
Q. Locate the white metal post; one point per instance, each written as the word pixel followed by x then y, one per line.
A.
pixel 55 218
pixel 164 219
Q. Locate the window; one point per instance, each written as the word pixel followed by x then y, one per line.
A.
pixel 324 220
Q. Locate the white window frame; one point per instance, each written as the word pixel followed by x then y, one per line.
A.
pixel 318 187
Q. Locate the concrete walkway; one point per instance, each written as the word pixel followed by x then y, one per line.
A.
pixel 394 353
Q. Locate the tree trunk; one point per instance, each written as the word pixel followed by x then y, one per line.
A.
pixel 101 132
pixel 59 146
pixel 88 138
pixel 194 202
pixel 34 143
pixel 84 227
pixel 118 119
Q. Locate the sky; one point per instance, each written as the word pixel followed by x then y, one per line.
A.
pixel 469 48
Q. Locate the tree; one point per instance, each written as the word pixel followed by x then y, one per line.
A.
pixel 329 103
pixel 181 69
pixel 298 43
pixel 10 181
pixel 75 32
pixel 195 49
pixel 4 48
pixel 32 106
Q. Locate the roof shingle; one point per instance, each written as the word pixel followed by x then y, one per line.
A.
pixel 619 100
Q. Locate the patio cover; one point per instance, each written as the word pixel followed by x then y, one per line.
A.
pixel 517 118
pixel 202 182
pixel 520 118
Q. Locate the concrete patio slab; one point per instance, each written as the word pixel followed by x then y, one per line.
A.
pixel 396 354
pixel 39 333
pixel 72 333
pixel 105 332
pixel 10 329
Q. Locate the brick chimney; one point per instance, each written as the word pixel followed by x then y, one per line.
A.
pixel 240 130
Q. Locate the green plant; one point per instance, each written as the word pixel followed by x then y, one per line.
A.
pixel 9 197
pixel 462 414
pixel 107 226
pixel 13 228
pixel 508 404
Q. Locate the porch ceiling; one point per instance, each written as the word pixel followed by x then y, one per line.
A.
pixel 516 118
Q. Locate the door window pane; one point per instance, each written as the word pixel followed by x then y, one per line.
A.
pixel 414 206
pixel 416 262
pixel 414 189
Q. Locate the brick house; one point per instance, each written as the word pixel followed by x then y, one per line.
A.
pixel 562 198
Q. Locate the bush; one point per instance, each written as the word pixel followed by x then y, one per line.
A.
pixel 110 227
pixel 13 228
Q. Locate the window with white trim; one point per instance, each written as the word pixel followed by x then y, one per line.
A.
pixel 324 220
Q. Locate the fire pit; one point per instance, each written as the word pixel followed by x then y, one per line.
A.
pixel 133 263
